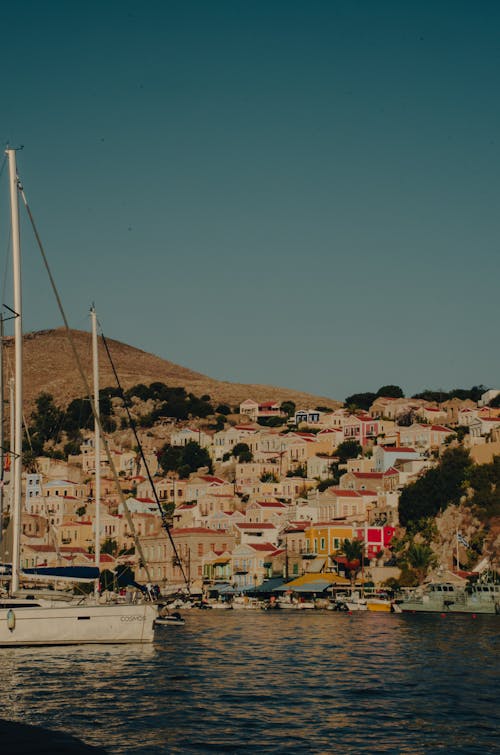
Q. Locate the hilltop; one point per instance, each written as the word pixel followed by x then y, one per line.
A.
pixel 49 366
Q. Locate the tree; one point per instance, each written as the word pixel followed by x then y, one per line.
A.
pixel 288 407
pixel 47 420
pixel 271 421
pixel 353 550
pixel 194 456
pixel 436 489
pixel 186 458
pixel 241 451
pixel 495 402
pixel 170 458
pixel 420 557
pixel 361 400
pixel 349 449
pixel 223 409
pixel 268 477
pixel 390 391
pixel 109 546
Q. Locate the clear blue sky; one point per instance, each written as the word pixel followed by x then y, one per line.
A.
pixel 304 194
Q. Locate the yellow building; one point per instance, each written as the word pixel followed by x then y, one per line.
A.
pixel 325 539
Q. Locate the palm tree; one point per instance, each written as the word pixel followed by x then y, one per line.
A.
pixel 420 557
pixel 354 552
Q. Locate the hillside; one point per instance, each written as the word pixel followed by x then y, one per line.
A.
pixel 49 366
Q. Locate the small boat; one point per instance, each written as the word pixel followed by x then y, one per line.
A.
pixel 305 605
pixel 168 619
pixel 220 605
pixel 379 603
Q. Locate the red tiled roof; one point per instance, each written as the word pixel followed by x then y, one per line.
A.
pixel 296 526
pixel 255 525
pixel 196 530
pixel 398 450
pixel 211 478
pixel 272 504
pixel 263 546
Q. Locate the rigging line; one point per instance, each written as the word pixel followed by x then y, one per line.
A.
pixel 133 426
pixel 85 383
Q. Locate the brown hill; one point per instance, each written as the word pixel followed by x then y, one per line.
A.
pixel 49 366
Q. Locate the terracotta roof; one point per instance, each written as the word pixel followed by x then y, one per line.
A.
pixel 272 504
pixel 255 525
pixel 398 450
pixel 196 530
pixel 262 546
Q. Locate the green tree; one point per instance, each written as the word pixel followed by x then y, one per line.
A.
pixel 109 546
pixel 223 409
pixel 288 407
pixel 390 391
pixel 349 449
pixel 361 400
pixel 170 458
pixel 435 490
pixel 194 456
pixel 268 477
pixel 353 550
pixel 242 450
pixel 421 558
pixel 47 420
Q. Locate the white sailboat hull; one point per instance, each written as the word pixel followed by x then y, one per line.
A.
pixel 75 625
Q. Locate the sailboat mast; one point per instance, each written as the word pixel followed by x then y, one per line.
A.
pixel 18 371
pixel 97 440
pixel 2 439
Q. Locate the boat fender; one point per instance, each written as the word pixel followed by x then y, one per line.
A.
pixel 11 620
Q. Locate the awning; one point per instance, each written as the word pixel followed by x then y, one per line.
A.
pixel 268 586
pixel 319 586
pixel 316 565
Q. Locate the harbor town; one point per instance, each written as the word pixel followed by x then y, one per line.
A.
pixel 298 505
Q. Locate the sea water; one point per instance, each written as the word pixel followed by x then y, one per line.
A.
pixel 272 682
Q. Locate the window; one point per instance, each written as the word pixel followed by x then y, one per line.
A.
pixel 322 544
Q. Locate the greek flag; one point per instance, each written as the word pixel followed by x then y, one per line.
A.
pixel 461 539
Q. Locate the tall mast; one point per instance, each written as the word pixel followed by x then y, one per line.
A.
pixel 2 438
pixel 18 371
pixel 97 439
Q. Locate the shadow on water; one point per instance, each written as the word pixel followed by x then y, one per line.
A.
pixel 237 682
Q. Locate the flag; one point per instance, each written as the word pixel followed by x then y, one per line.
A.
pixel 461 539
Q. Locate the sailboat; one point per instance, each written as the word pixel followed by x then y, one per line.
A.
pixel 27 619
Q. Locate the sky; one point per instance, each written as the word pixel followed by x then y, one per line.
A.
pixel 300 194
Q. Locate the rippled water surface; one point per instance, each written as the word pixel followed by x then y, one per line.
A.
pixel 271 682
